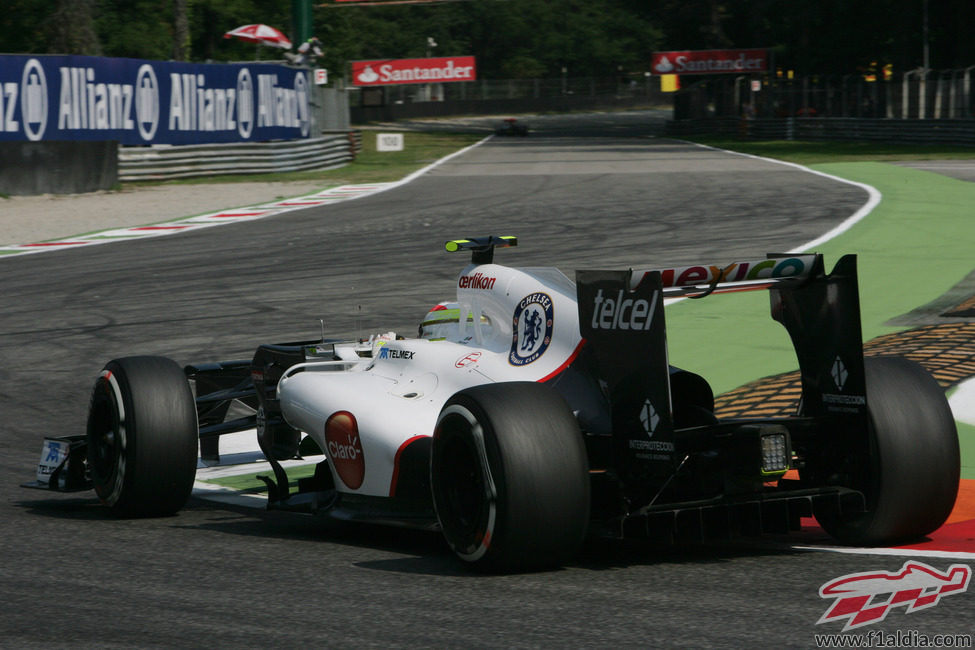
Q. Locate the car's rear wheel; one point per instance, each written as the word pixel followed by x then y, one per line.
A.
pixel 510 479
pixel 142 437
pixel 910 480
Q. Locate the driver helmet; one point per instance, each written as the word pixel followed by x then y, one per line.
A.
pixel 443 320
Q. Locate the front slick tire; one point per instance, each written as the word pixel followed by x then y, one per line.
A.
pixel 510 477
pixel 142 437
pixel 910 481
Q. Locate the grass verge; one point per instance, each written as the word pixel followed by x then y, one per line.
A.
pixel 966 439
pixel 250 484
pixel 911 249
pixel 811 153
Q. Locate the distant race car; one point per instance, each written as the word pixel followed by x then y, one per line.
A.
pixel 511 126
pixel 531 410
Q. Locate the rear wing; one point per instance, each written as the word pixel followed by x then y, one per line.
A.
pixel 621 317
pixel 705 279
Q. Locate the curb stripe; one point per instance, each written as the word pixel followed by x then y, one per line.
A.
pixel 327 196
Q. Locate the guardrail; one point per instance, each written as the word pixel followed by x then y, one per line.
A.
pixel 956 132
pixel 163 162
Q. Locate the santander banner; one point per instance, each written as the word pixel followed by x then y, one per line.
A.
pixel 709 62
pixel 388 72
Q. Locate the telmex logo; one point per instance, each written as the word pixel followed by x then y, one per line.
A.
pixel 622 313
pixel 392 353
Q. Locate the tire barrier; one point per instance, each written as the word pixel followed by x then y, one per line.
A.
pixel 946 350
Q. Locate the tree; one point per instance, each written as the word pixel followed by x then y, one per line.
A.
pixel 181 30
pixel 140 29
pixel 72 28
pixel 23 26
pixel 513 38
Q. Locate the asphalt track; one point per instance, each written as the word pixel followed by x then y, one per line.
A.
pixel 72 576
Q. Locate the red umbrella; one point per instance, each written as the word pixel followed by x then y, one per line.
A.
pixel 263 34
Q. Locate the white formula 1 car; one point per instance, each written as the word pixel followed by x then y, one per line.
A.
pixel 532 409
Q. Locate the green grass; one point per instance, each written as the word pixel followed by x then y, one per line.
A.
pixel 250 484
pixel 966 438
pixel 914 246
pixel 370 166
pixel 811 153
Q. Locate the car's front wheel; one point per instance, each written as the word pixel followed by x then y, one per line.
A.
pixel 510 477
pixel 142 436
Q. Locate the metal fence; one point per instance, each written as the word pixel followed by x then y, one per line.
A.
pixel 915 94
pixel 164 162
pixel 491 96
pixel 329 109
pixel 491 89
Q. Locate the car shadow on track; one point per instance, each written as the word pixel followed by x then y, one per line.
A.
pixel 59 507
pixel 609 554
pixel 597 555
pixel 419 552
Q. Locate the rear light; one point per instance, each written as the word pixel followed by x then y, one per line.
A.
pixel 776 455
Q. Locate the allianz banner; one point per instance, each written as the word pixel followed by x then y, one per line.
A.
pixel 150 102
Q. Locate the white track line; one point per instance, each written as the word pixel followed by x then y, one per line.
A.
pixel 874 196
pixel 328 196
pixel 897 552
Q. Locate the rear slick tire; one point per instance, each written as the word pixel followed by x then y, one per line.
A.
pixel 913 471
pixel 142 437
pixel 510 477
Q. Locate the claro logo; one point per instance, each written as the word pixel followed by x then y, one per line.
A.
pixel 622 313
pixel 345 449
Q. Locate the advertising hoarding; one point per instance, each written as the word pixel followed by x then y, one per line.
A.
pixel 391 72
pixel 709 61
pixel 140 102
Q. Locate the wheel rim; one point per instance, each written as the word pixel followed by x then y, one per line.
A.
pixel 106 439
pixel 463 489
